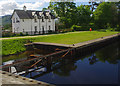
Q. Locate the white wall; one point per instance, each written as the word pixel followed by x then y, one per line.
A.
pixel 15 26
pixel 29 25
pixel 25 24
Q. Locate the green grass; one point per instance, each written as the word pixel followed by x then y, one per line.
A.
pixel 12 46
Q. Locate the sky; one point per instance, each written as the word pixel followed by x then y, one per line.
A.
pixel 7 6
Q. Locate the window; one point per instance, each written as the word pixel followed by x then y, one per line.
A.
pixel 23 20
pixel 49 19
pixel 17 20
pixel 13 20
pixel 42 27
pixel 42 19
pixel 35 29
pixel 35 20
pixel 23 30
pixel 49 27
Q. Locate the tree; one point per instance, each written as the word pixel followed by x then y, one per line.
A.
pixel 44 9
pixel 83 15
pixel 106 13
pixel 7 27
pixel 118 11
pixel 65 11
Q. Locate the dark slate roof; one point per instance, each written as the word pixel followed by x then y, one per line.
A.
pixel 28 14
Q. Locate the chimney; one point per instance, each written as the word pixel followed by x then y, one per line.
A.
pixel 24 8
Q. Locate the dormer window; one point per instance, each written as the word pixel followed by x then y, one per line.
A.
pixel 13 20
pixel 40 13
pixel 33 13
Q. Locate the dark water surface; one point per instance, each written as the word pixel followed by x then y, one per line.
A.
pixel 100 67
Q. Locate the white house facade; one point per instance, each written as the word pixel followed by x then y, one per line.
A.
pixel 32 22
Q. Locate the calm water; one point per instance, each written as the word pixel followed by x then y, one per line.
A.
pixel 100 67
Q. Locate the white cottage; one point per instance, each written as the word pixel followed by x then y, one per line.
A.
pixel 32 22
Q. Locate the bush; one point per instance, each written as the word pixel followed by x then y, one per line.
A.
pixel 50 31
pixel 118 28
pixel 21 34
pixel 61 26
pixel 81 28
pixel 26 33
pixel 7 34
pixel 111 29
pixel 102 30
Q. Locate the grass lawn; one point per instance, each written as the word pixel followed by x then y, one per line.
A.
pixel 12 46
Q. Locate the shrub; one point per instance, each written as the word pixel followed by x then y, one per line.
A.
pixel 118 28
pixel 102 30
pixel 26 33
pixel 50 31
pixel 81 28
pixel 7 34
pixel 21 34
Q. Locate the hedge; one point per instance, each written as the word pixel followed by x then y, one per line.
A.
pixel 81 28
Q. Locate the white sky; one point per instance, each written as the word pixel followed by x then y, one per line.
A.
pixel 7 6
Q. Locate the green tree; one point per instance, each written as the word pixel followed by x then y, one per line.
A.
pixel 118 11
pixel 83 15
pixel 105 13
pixel 44 9
pixel 7 26
pixel 65 11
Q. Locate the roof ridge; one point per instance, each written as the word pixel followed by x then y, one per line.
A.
pixel 28 13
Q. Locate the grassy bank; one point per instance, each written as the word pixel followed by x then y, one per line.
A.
pixel 12 46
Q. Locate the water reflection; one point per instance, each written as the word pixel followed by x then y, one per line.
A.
pixel 99 67
pixel 110 53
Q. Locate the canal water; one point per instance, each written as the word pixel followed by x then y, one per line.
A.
pixel 99 67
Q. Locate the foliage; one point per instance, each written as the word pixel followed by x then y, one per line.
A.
pixel 7 34
pixel 65 30
pixel 118 5
pixel 83 15
pixel 5 20
pixel 105 13
pixel 21 34
pixel 66 11
pixel 81 28
pixel 13 46
pixel 8 27
pixel 44 9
